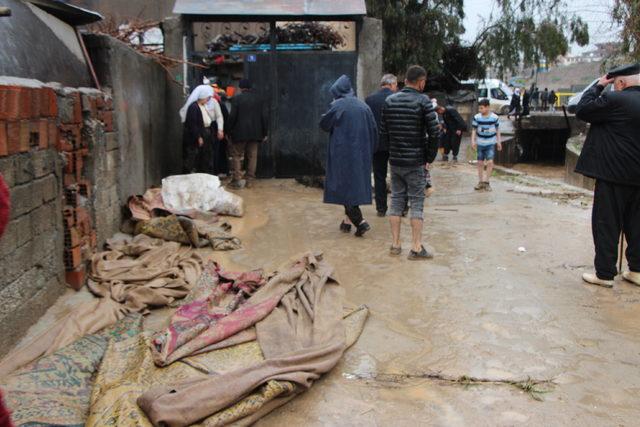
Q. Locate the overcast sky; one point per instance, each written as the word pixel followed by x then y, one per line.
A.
pixel 595 12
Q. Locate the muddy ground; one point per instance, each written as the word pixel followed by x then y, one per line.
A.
pixel 481 308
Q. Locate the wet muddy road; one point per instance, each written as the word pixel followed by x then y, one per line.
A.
pixel 482 308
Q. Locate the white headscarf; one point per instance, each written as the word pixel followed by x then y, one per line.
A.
pixel 201 92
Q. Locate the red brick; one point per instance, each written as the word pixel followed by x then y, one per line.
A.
pixel 9 103
pixel 13 137
pixel 69 164
pixel 24 100
pixel 36 94
pixel 100 102
pixel 94 240
pixel 75 278
pixel 25 136
pixel 45 102
pixel 83 221
pixel 72 257
pixel 4 144
pixel 43 134
pixel 71 237
pixel 69 215
pixel 84 187
pixel 52 133
pixel 77 108
pixel 69 179
pixel 108 103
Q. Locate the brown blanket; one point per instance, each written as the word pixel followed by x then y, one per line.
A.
pixel 132 276
pixel 301 339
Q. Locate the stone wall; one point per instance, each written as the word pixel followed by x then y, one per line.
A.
pixel 58 155
pixel 574 148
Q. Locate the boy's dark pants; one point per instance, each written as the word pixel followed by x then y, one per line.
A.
pixel 615 208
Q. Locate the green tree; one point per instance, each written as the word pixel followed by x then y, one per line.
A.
pixel 627 14
pixel 427 32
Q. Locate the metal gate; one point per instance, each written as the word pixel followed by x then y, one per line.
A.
pixel 297 95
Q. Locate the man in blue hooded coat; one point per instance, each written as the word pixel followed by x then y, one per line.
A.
pixel 354 136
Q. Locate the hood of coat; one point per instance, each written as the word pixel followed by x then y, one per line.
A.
pixel 342 87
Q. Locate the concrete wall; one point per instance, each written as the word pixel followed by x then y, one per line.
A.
pixel 149 149
pixel 574 147
pixel 35 44
pixel 369 57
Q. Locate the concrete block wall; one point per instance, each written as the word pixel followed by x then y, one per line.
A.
pixel 59 157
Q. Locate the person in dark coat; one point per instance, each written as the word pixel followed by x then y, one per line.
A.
pixel 220 155
pixel 535 98
pixel 553 98
pixel 525 102
pixel 197 140
pixel 515 104
pixel 544 99
pixel 375 101
pixel 452 129
pixel 248 126
pixel 611 155
pixel 354 137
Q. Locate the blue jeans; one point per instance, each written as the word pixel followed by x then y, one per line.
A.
pixel 486 152
pixel 408 183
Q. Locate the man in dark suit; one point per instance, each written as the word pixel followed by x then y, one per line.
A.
pixel 248 126
pixel 611 155
pixel 375 101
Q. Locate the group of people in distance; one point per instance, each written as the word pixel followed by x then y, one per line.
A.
pixel 402 128
pixel 524 101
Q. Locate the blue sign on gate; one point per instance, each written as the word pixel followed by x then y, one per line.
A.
pixel 251 58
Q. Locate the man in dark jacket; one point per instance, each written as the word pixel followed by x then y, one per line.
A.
pixel 544 99
pixel 454 126
pixel 354 136
pixel 375 101
pixel 248 127
pixel 407 118
pixel 611 155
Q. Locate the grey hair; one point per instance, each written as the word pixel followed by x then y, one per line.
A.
pixel 388 79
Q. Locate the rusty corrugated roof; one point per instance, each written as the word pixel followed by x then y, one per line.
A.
pixel 283 8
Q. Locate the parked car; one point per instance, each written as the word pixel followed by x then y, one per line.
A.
pixel 496 91
pixel 575 99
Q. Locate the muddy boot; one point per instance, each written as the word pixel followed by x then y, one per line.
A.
pixel 345 228
pixel 419 256
pixel 487 187
pixel 479 187
pixel 595 280
pixel 632 277
pixel 445 158
pixel 455 159
pixel 395 251
pixel 237 184
pixel 362 228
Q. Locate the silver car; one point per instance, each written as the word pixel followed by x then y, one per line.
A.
pixel 575 99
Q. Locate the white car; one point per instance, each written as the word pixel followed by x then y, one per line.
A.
pixel 496 91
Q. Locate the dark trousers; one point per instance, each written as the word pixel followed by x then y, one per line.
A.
pixel 451 143
pixel 615 208
pixel 354 214
pixel 199 159
pixel 380 167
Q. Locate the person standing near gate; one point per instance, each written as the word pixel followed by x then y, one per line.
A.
pixel 248 126
pixel 375 101
pixel 453 127
pixel 544 99
pixel 611 155
pixel 409 126
pixel 354 136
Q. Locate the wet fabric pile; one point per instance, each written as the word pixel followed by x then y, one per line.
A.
pixel 239 346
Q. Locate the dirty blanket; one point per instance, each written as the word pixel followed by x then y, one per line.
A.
pixel 220 293
pixel 132 276
pixel 151 205
pixel 189 232
pixel 301 337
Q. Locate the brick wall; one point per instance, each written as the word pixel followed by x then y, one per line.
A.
pixel 59 156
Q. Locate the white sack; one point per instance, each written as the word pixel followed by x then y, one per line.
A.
pixel 200 191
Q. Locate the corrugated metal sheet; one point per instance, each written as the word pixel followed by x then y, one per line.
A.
pixel 292 8
pixel 68 13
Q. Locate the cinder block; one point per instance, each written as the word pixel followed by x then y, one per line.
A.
pixel 4 143
pixel 13 137
pixel 76 278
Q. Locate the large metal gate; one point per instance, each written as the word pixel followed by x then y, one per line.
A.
pixel 296 89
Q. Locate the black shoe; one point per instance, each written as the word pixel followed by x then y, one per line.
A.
pixel 419 256
pixel 345 228
pixel 362 228
pixel 382 214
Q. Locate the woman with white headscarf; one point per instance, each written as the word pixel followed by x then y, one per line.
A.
pixel 197 139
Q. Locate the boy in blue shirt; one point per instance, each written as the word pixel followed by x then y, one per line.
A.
pixel 485 138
